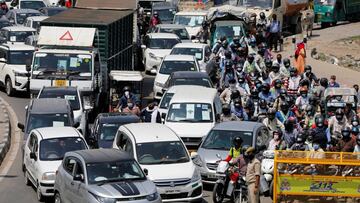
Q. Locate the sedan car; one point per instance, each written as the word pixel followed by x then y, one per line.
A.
pixel 102 175
pixel 18 16
pixel 156 46
pixel 179 30
pixel 171 64
pixel 219 141
pixel 188 78
pixel 16 33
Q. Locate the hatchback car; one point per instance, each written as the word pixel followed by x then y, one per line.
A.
pixel 188 78
pixel 102 175
pixel 162 153
pixel 192 20
pixel 16 33
pixel 44 150
pixel 156 46
pixel 18 16
pixel 170 64
pixel 219 141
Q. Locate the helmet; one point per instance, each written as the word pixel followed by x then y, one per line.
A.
pixel 293 71
pixel 355 131
pixel 278 132
pixel 262 103
pixel 324 82
pixel 225 43
pixel 339 114
pixel 244 148
pixel 345 132
pixel 287 62
pixel 126 88
pixel 289 124
pixel 303 90
pixel 155 13
pixel 241 78
pixel 236 40
pixel 268 63
pixel 271 113
pixel 254 93
pixel 237 141
pixel 355 120
pixel 308 68
pixel 237 103
pixel 262 15
pixel 226 109
pixel 265 87
pixel 235 94
pixel 319 121
pixel 313 100
pixel 227 54
pixel 309 110
pixel 228 64
pixel 250 58
pixel 275 67
pixel 277 83
pixel 283 92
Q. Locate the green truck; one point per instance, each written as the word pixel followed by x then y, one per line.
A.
pixel 329 12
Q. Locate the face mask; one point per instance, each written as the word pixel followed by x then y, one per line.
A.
pixel 241 80
pixel 279 60
pixel 276 137
pixel 316 147
pixel 309 113
pixel 127 93
pixel 339 117
pixel 355 123
pixel 237 105
pixel 232 86
pixel 304 95
pixel 130 105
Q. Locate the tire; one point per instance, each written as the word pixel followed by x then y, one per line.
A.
pixel 8 87
pixel 39 195
pixel 57 198
pixel 26 178
pixel 218 192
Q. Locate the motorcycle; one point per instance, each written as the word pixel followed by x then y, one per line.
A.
pixel 237 192
pixel 267 171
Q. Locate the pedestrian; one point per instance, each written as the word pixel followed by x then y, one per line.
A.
pixel 274 34
pixel 333 82
pixel 252 175
pixel 155 19
pixel 131 108
pixel 300 55
pixel 150 114
pixel 127 94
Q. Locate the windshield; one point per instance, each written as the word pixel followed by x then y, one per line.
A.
pixel 47 120
pixel 192 81
pixel 161 153
pixel 31 4
pixel 55 149
pixel 19 57
pixel 166 100
pixel 71 96
pixel 168 67
pixel 163 43
pixel 265 4
pixel 20 17
pixel 108 131
pixel 4 24
pixel 36 25
pixel 229 31
pixel 166 14
pixel 325 2
pixel 19 36
pixel 197 52
pixel 99 173
pixel 78 66
pixel 191 21
pixel 223 139
pixel 190 112
pixel 181 33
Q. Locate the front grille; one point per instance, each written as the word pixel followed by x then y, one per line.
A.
pixel 212 166
pixel 47 184
pixel 197 192
pixel 191 139
pixel 172 183
pixel 49 191
pixel 130 199
pixel 174 196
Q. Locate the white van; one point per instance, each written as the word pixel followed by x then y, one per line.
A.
pixel 192 113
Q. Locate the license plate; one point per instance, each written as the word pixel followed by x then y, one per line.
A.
pixel 212 176
pixel 60 83
pixel 172 191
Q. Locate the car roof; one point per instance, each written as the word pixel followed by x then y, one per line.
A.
pixel 18 28
pixel 192 13
pixel 117 117
pixel 190 45
pixel 237 126
pixel 170 26
pixel 37 18
pixel 57 132
pixel 25 11
pixel 53 8
pixel 189 74
pixel 197 95
pixel 102 155
pixel 151 132
pixel 60 89
pixel 163 36
pixel 174 89
pixel 179 58
pixel 49 106
pixel 17 46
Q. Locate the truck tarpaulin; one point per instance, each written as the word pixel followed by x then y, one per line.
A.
pixel 228 11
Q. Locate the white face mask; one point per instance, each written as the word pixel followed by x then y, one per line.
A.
pixel 232 86
pixel 127 93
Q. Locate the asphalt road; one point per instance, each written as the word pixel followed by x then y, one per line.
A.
pixel 13 189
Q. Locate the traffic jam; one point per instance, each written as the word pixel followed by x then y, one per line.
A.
pixel 151 101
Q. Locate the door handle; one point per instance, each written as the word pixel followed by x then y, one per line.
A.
pixel 72 183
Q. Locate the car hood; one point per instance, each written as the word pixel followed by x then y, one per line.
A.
pixel 49 166
pixel 160 52
pixel 161 78
pixel 209 155
pixel 170 171
pixel 126 189
pixel 190 129
pixel 18 68
pixel 105 144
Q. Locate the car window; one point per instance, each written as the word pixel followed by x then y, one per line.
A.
pixel 69 164
pixel 2 53
pixel 121 141
pixel 129 147
pixel 79 168
pixel 168 67
pixel 31 141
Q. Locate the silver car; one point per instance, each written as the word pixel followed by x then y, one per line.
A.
pixel 102 175
pixel 219 141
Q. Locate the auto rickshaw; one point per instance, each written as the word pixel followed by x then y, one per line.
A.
pixel 338 98
pixel 120 79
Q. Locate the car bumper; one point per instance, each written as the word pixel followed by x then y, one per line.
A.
pixel 20 83
pixel 47 188
pixel 152 65
pixel 188 193
pixel 208 176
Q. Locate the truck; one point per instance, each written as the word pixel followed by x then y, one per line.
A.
pixel 287 11
pixel 75 48
pixel 329 12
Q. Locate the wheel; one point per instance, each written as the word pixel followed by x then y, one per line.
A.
pixel 57 198
pixel 8 87
pixel 26 178
pixel 218 192
pixel 39 195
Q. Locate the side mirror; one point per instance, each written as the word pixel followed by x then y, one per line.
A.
pixel 193 37
pixel 193 155
pixel 78 177
pixel 163 116
pixel 21 126
pixel 93 142
pixel 217 117
pixel 88 108
pixel 12 21
pixel 28 65
pixel 76 125
pixel 146 171
pixel 143 46
pixel 3 60
pixel 33 155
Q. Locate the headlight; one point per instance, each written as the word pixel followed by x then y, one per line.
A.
pixel 48 176
pixel 196 177
pixel 198 162
pixel 17 74
pixel 153 56
pixel 103 199
pixel 152 197
pixel 159 84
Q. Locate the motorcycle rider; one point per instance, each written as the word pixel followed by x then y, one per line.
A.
pixel 277 143
pixel 155 19
pixel 203 34
pixel 309 75
pixel 293 82
pixel 243 85
pixel 266 94
pixel 250 65
pixel 234 153
pixel 299 144
pixel 225 96
pixel 337 123
pixel 268 65
pixel 226 114
pixel 275 72
pixel 228 74
pixel 284 70
pixel 238 110
pixel 253 173
pixel 349 112
pixel 346 143
pixel 320 132
pixel 281 98
pixel 265 78
pixel 303 100
pixel 261 111
pixel 284 112
pixel 277 87
pixel 252 104
pixel 290 131
pixel 261 26
pixel 128 95
pixel 355 121
pixel 309 117
pixel 271 122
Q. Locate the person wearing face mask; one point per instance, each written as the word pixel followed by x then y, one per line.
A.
pixel 346 143
pixel 316 152
pixel 253 172
pixel 238 110
pixel 309 75
pixel 125 97
pixel 250 66
pixel 320 132
pixel 266 94
pixel 337 123
pixel 227 115
pixel 261 110
pixel 243 85
pixel 277 143
pixel 275 72
pixel 150 114
pixel 277 87
pixel 303 100
pixel 293 82
pixel 284 112
pixel 268 65
pixel 132 108
pixel 349 112
pixel 251 104
pixel 281 98
pixel 299 144
pixel 233 156
pixel 309 117
pixel 290 131
pixel 355 122
pixel 284 70
pixel 225 96
pixel 271 122
pixel 215 49
pixel 228 74
pixel 265 78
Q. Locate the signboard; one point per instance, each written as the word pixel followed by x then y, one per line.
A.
pixel 318 185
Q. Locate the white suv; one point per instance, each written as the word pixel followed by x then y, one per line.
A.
pixel 43 154
pixel 162 154
pixel 13 74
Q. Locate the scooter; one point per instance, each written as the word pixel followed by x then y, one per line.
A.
pixel 267 171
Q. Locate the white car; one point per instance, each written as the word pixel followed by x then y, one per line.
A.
pixel 17 34
pixel 202 52
pixel 163 155
pixel 43 153
pixel 13 74
pixel 28 4
pixel 156 46
pixel 34 22
pixel 192 20
pixel 170 64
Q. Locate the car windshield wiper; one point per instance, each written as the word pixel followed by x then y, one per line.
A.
pixel 223 148
pixel 43 72
pixel 188 120
pixel 102 182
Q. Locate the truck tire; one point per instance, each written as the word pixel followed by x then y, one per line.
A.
pixel 8 87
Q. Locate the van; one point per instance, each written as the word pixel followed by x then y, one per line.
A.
pixel 192 113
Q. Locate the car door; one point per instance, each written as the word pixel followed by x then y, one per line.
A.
pixel 27 150
pixel 69 165
pixel 33 165
pixel 2 65
pixel 77 188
